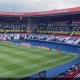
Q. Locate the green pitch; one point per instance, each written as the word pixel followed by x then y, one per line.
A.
pixel 21 61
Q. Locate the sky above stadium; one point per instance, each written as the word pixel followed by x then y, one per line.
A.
pixel 36 5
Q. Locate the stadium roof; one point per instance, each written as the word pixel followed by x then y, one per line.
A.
pixel 67 10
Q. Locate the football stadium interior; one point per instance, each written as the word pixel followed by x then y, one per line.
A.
pixel 40 44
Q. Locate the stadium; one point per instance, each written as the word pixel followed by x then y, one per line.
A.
pixel 40 45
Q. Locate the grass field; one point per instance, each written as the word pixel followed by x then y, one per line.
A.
pixel 17 60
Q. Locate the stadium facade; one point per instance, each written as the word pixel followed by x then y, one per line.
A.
pixel 52 30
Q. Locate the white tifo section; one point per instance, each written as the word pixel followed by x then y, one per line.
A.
pixel 76 41
pixel 69 41
pixel 58 37
pixel 25 36
pixel 17 36
pixel 61 39
pixel 49 38
pixel 33 36
pixel 0 38
pixel 66 39
pixel 30 36
pixel 7 36
pixel 4 38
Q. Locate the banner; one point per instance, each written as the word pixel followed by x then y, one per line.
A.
pixel 43 48
pixel 71 33
pixel 15 31
pixel 58 50
pixel 4 41
pixel 25 44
